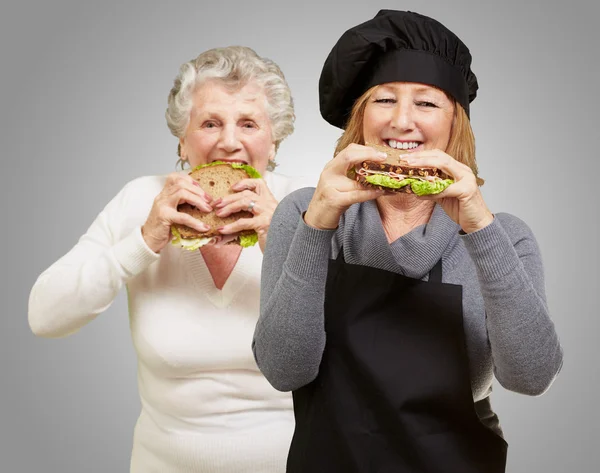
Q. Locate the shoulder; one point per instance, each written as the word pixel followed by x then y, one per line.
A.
pixel 136 197
pixel 298 199
pixel 292 206
pixel 515 228
pixel 145 185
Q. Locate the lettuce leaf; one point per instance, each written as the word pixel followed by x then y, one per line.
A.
pixel 248 240
pixel 428 188
pixel 418 186
pixel 387 181
pixel 253 173
pixel 191 244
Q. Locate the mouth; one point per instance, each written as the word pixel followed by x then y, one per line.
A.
pixel 405 145
pixel 227 160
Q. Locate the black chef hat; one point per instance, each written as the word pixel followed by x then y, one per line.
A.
pixel 394 46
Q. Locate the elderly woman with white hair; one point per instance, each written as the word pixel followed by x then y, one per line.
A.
pixel 205 405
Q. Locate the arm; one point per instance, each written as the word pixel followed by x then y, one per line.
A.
pixel 116 247
pixel 290 336
pixel 525 349
pixel 85 281
pixel 526 352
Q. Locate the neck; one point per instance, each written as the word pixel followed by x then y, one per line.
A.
pixel 400 213
pixel 220 262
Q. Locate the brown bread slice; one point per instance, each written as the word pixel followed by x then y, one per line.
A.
pixel 216 181
pixel 395 163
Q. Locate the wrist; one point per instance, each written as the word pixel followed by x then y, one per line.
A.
pixel 319 221
pixel 151 242
pixel 478 225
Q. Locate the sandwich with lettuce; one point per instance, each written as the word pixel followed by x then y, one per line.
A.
pixel 215 179
pixel 396 175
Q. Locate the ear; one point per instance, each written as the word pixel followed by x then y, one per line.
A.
pixel 272 152
pixel 182 150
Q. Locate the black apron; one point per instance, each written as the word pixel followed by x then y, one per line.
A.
pixel 393 393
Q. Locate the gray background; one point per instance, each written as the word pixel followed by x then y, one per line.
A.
pixel 83 89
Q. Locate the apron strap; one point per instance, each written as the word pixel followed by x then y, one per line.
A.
pixel 435 275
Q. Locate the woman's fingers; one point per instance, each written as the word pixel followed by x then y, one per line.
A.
pixel 241 202
pixel 245 195
pixel 362 195
pixel 252 195
pixel 181 218
pixel 240 225
pixel 352 155
pixel 256 185
pixel 178 181
pixel 440 160
pixel 186 196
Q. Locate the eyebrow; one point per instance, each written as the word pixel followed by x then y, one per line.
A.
pixel 242 115
pixel 420 89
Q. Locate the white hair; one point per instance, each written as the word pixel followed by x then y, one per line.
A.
pixel 235 66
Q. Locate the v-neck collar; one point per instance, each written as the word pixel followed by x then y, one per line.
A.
pixel 239 276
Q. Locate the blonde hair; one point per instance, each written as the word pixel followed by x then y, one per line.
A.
pixel 462 140
pixel 234 66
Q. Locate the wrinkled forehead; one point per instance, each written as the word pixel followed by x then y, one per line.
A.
pixel 217 92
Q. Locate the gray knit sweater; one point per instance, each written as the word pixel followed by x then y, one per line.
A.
pixel 508 330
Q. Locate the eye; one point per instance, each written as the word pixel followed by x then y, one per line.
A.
pixel 425 104
pixel 385 100
pixel 209 124
pixel 249 124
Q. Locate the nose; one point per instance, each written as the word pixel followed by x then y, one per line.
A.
pixel 230 141
pixel 403 118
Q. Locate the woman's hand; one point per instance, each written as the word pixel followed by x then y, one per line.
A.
pixel 336 192
pixel 462 200
pixel 251 195
pixel 178 189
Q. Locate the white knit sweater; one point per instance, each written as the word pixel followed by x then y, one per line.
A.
pixel 205 405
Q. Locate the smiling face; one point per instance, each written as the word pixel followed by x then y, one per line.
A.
pixel 408 115
pixel 228 125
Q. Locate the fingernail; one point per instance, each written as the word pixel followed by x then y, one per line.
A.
pixel 381 154
pixel 218 201
pixel 219 213
pixel 196 183
pixel 220 229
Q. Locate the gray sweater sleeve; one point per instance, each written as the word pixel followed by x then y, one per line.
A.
pixel 290 337
pixel 288 343
pixel 525 349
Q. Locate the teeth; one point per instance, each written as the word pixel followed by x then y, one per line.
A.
pixel 402 145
